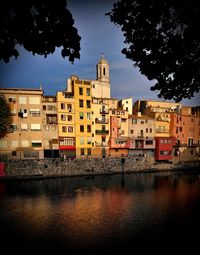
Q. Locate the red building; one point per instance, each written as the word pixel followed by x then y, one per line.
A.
pixel 164 148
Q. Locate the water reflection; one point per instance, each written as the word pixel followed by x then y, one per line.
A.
pixel 90 214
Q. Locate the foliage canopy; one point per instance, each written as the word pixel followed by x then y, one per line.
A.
pixel 39 26
pixel 5 117
pixel 163 41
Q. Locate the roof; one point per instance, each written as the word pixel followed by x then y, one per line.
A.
pixel 102 60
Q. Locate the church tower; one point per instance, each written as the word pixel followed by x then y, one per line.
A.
pixel 101 86
pixel 103 70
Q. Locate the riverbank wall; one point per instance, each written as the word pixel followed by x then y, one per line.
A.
pixel 92 166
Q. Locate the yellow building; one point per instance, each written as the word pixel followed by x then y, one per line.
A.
pixel 66 124
pixel 25 138
pixel 81 90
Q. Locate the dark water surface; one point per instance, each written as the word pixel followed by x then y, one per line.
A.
pixel 114 213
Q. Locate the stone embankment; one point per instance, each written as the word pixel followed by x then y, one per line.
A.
pixel 92 166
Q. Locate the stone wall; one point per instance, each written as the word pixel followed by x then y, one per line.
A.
pixel 70 167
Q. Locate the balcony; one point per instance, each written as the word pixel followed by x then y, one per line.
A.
pixel 101 121
pixel 104 111
pixel 102 132
pixel 101 144
pixel 140 135
pixel 158 130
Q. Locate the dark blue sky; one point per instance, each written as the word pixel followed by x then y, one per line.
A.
pixel 98 35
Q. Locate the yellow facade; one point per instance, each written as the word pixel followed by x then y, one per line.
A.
pixel 83 116
pixel 66 123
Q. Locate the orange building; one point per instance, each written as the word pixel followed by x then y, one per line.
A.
pixel 185 127
pixel 119 141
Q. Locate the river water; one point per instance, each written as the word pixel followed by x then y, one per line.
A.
pixel 102 213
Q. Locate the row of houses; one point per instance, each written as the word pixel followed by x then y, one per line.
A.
pixel 84 121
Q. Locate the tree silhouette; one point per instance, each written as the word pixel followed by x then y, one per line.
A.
pixel 163 40
pixel 5 117
pixel 39 26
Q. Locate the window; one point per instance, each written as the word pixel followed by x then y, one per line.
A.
pixel 34 112
pixel 87 91
pixel 36 143
pixel 34 100
pixel 69 117
pixel 22 100
pixel 14 153
pixel 150 130
pixel 82 140
pixel 81 103
pixel 82 152
pixel 24 126
pixel 81 128
pixel 64 129
pixel 69 107
pixel 63 117
pixel 70 129
pixel 67 141
pixel 14 144
pixel 88 104
pixel 147 130
pixel 88 116
pixel 62 106
pixel 190 142
pixel 35 127
pixel 51 108
pixel 14 127
pixel 44 107
pixel 89 151
pixel 88 128
pixel 149 142
pixel 93 86
pixel 89 140
pixel 132 131
pixel 104 71
pixel 177 130
pixel 80 91
pixel 142 122
pixel 25 143
pixel 81 114
pixel 12 99
pixel 3 143
pixel 134 121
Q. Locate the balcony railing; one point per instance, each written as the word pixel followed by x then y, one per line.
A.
pixel 104 111
pixel 162 130
pixel 102 144
pixel 102 132
pixel 101 121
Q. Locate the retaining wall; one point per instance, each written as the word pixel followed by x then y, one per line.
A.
pixel 71 167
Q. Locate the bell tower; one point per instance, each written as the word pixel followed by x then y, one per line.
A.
pixel 103 70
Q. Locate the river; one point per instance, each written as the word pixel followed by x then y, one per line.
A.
pixel 102 213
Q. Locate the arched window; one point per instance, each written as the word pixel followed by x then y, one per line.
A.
pixel 104 71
